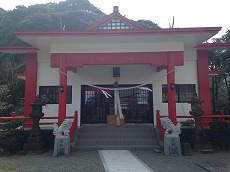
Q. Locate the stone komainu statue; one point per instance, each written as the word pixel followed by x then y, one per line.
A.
pixel 63 129
pixel 169 126
pixel 62 138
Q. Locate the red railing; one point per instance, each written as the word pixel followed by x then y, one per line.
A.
pixel 221 117
pixel 159 126
pixel 29 124
pixel 73 127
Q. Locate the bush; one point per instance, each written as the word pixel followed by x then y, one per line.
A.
pixel 8 141
pixel 220 133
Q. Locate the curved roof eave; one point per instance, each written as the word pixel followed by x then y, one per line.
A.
pixel 209 46
pixel 18 49
pixel 172 31
pixel 190 37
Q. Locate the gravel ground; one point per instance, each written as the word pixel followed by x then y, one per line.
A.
pixel 87 161
pixel 90 161
pixel 158 162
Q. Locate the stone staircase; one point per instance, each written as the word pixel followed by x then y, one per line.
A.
pixel 137 136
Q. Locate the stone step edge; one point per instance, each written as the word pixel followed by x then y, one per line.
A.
pixel 156 147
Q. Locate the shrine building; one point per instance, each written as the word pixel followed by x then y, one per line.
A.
pixel 152 69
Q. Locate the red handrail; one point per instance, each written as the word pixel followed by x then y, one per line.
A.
pixel 74 127
pixel 158 125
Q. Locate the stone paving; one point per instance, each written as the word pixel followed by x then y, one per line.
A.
pixel 122 161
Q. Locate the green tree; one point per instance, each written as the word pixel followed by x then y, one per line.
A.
pixel 219 60
pixel 12 87
pixel 224 39
pixel 4 96
pixel 148 24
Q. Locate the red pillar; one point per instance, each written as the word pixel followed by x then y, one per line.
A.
pixel 203 82
pixel 31 82
pixel 62 95
pixel 171 92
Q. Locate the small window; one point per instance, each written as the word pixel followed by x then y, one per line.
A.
pixel 184 93
pixel 52 94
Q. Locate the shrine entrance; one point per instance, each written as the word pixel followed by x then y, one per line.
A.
pixel 136 104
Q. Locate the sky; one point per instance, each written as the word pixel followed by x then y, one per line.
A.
pixel 187 13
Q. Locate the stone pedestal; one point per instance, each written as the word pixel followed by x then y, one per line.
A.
pixel 35 144
pixel 186 150
pixel 201 142
pixel 172 145
pixel 61 146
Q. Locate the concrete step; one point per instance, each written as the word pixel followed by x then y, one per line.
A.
pixel 129 137
pixel 105 129
pixel 105 142
pixel 117 136
pixel 150 135
pixel 117 147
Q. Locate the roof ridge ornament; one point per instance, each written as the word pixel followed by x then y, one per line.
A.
pixel 115 9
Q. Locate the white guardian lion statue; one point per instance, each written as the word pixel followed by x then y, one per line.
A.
pixel 170 127
pixel 64 128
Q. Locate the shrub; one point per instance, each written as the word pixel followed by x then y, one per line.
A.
pixel 8 141
pixel 220 132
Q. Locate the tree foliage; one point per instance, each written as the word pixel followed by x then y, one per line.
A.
pixel 224 39
pixel 8 140
pixel 219 60
pixel 4 96
pixel 73 14
pixel 148 24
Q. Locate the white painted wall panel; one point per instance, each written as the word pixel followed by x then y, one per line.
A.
pixel 121 47
pixel 190 54
pixel 43 57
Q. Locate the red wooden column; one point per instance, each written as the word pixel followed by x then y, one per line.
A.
pixel 203 82
pixel 31 82
pixel 62 94
pixel 171 92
